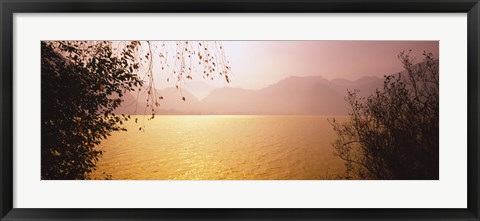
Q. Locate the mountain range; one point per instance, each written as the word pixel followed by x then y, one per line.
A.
pixel 312 95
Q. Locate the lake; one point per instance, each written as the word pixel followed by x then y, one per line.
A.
pixel 222 147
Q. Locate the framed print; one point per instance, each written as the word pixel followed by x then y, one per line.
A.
pixel 239 110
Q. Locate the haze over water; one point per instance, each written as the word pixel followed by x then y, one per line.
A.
pixel 239 110
pixel 216 147
pixel 267 121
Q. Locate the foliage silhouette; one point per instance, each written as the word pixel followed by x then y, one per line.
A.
pixel 78 82
pixel 393 133
pixel 83 82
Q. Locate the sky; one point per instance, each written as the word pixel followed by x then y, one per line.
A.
pixel 258 64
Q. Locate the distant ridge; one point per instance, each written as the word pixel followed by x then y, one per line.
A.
pixel 310 95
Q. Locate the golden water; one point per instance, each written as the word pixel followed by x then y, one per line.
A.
pixel 222 147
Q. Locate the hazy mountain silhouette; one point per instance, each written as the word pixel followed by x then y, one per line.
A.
pixel 199 89
pixel 293 95
pixel 172 103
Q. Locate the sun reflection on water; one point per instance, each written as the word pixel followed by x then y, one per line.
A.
pixel 216 147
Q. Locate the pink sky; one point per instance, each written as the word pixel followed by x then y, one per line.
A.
pixel 257 64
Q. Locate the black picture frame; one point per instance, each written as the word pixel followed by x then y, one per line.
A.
pixel 9 7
